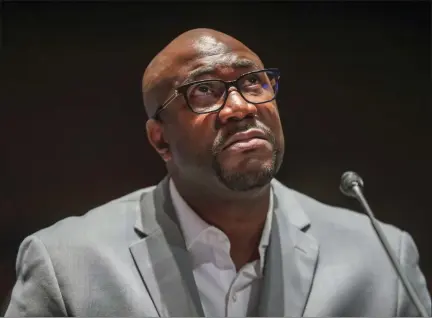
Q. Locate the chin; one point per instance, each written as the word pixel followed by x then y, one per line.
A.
pixel 250 166
pixel 246 179
pixel 249 173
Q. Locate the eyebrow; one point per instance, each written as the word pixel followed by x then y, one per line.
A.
pixel 240 63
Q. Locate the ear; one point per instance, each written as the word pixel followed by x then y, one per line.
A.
pixel 156 137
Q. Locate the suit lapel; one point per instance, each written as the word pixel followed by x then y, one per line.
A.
pixel 291 259
pixel 166 269
pixel 162 258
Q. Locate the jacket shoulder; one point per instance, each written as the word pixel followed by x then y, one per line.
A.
pixel 113 220
pixel 326 220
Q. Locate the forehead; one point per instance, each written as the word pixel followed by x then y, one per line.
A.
pixel 208 55
pixel 185 60
pixel 218 64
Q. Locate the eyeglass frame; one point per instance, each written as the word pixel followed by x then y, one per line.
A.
pixel 182 90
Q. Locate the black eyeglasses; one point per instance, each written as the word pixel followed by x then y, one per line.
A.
pixel 206 96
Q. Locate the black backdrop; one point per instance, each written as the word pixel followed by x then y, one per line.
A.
pixel 355 94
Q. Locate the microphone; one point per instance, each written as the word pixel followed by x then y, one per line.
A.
pixel 351 185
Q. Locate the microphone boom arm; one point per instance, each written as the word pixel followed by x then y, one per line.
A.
pixel 410 290
pixel 351 185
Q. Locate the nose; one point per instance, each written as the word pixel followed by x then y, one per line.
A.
pixel 236 107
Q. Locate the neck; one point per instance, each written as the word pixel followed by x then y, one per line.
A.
pixel 240 216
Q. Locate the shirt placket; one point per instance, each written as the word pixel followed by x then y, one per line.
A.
pixel 239 292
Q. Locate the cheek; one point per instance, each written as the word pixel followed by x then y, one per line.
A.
pixel 270 115
pixel 180 143
pixel 193 136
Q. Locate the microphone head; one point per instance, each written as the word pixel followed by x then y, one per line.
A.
pixel 350 179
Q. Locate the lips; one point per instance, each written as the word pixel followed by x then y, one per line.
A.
pixel 246 137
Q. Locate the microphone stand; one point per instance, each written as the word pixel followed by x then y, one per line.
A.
pixel 354 190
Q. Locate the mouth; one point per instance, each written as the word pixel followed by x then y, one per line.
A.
pixel 252 138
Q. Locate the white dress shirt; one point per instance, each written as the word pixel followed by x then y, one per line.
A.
pixel 223 291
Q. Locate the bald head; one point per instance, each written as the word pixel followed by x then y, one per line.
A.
pixel 188 50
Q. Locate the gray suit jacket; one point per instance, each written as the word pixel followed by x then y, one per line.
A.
pixel 128 258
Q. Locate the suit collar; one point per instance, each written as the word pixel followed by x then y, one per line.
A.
pixel 291 258
pixel 146 223
pixel 162 258
pixel 289 206
pixel 146 219
pixel 165 265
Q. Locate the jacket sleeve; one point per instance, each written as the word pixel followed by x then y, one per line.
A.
pixel 36 292
pixel 409 260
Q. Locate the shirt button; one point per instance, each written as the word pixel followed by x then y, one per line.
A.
pixel 234 297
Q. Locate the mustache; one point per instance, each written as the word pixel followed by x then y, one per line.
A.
pixel 222 138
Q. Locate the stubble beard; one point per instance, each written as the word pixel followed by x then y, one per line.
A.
pixel 245 181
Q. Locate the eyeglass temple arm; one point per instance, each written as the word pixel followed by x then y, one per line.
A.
pixel 165 104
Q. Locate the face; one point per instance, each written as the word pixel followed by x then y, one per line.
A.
pixel 241 146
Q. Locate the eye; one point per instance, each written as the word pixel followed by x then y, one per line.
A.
pixel 252 80
pixel 206 89
pixel 201 89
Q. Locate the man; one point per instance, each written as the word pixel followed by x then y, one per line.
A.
pixel 219 236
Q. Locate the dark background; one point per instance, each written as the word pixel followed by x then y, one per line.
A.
pixel 355 94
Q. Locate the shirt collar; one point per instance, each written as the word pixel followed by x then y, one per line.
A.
pixel 192 225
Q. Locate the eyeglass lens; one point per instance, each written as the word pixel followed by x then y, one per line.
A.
pixel 258 87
